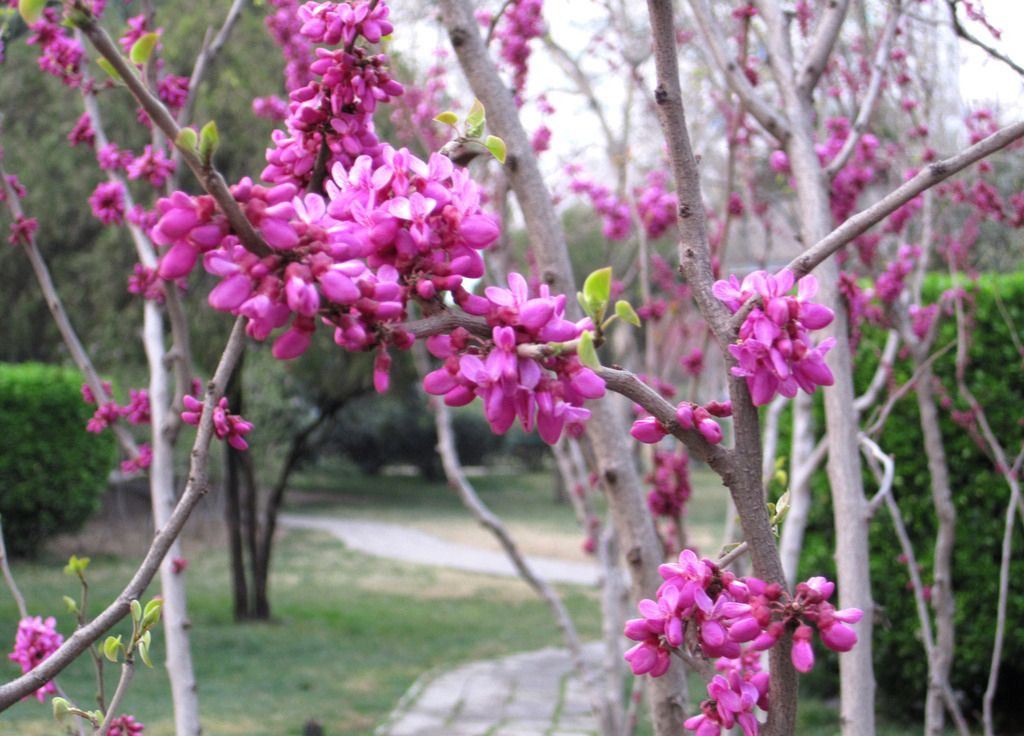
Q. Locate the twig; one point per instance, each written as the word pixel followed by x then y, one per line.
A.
pixel 966 35
pixel 830 22
pixel 732 555
pixel 127 672
pixel 903 390
pixel 769 118
pixel 195 488
pixel 19 599
pixel 494 21
pixel 208 53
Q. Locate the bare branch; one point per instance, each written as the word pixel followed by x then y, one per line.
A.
pixel 825 35
pixel 769 118
pixel 127 672
pixel 927 178
pixel 60 316
pixel 208 53
pixel 19 599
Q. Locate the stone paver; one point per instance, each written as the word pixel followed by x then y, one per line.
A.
pixel 398 542
pixel 527 694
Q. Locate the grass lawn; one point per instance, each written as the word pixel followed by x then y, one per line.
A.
pixel 352 635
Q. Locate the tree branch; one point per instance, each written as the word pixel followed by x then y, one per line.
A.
pixel 825 35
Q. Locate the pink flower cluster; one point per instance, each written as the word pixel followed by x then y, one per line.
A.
pixel 125 726
pixel 335 106
pixel 36 640
pixel 137 464
pixel 61 54
pixel 391 231
pixel 521 23
pixel 732 697
pixel 107 203
pixel 136 411
pixel 656 206
pixel 689 416
pixel 725 613
pixel 225 424
pixel 285 27
pixel 670 481
pixel 774 351
pixel 546 392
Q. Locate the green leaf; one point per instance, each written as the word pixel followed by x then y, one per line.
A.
pixel 496 146
pixel 136 611
pixel 209 139
pixel 31 10
pixel 586 352
pixel 475 120
pixel 597 290
pixel 143 653
pixel 624 310
pixel 112 647
pixel 109 69
pixel 187 139
pixel 143 48
pixel 71 604
pixel 76 565
pixel 61 709
pixel 448 118
pixel 152 614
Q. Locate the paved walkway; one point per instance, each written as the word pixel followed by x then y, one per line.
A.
pixel 398 542
pixel 528 694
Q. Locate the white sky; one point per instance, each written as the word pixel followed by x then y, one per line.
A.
pixel 983 79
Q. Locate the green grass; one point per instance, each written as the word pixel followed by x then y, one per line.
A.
pixel 352 635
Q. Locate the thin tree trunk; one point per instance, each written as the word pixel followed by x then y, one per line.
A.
pixel 162 492
pixel 801 450
pixel 941 661
pixel 849 505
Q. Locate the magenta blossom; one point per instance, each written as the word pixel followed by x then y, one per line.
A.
pixel 774 351
pixel 36 640
pixel 107 203
pixel 125 726
pixel 225 425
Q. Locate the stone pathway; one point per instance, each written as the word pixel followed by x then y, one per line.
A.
pixel 528 694
pixel 398 542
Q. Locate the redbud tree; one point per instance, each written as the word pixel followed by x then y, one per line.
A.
pixel 347 236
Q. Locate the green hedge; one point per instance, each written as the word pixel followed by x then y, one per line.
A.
pixel 980 496
pixel 52 471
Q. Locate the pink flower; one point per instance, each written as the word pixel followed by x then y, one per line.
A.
pixel 774 351
pixel 125 726
pixel 36 640
pixel 107 202
pixel 225 425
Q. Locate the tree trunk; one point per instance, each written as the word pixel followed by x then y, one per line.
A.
pixel 942 587
pixel 162 492
pixel 801 448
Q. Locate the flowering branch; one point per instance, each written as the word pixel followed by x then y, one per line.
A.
pixel 867 105
pixel 208 176
pixel 862 221
pixel 195 488
pixel 966 35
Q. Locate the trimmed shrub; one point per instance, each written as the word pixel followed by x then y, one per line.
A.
pixel 980 496
pixel 52 472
